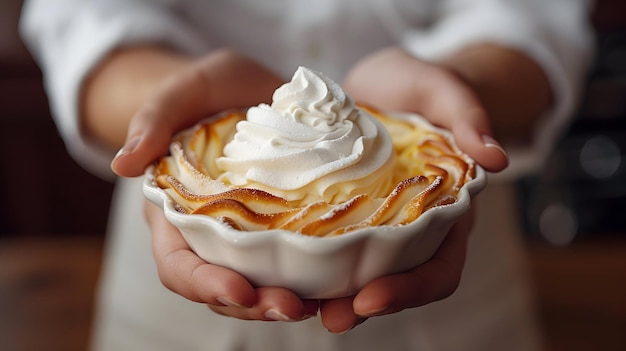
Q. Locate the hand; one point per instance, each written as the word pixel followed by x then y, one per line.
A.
pixel 392 80
pixel 225 291
pixel 218 82
pixel 434 280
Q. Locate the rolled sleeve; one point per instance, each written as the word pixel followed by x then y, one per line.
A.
pixel 70 38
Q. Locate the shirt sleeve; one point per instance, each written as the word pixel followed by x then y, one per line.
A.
pixel 555 33
pixel 69 38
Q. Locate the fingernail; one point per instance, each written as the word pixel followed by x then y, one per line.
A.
pixel 342 332
pixel 490 142
pixel 374 312
pixel 307 316
pixel 228 302
pixel 128 148
pixel 276 315
pixel 359 322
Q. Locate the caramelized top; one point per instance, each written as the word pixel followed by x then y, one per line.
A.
pixel 428 171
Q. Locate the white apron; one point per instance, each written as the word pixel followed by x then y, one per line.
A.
pixel 491 310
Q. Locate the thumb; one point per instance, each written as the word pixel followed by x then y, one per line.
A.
pixel 180 103
pixel 223 80
pixel 144 144
pixel 456 107
pixel 473 136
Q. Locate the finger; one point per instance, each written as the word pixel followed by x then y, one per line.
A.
pixel 434 280
pixel 178 104
pixel 338 315
pixel 223 80
pixel 183 272
pixel 393 80
pixel 273 304
pixel 453 105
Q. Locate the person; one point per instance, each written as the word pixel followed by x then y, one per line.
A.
pixel 128 74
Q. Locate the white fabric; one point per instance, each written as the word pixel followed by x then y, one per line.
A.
pixel 490 311
pixel 69 38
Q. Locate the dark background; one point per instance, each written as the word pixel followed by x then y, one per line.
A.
pixel 43 190
pixel 53 214
pixel 584 183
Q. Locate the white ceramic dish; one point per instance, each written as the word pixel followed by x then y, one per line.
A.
pixel 317 267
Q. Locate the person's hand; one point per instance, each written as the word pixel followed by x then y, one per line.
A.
pixel 392 80
pixel 223 290
pixel 220 81
pixel 434 280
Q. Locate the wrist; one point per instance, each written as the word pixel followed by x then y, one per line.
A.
pixel 116 89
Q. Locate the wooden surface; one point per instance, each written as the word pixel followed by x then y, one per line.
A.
pixel 47 286
pixel 46 292
pixel 581 291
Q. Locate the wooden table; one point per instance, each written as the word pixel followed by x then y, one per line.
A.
pixel 47 289
pixel 581 291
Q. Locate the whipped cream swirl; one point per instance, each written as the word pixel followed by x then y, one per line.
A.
pixel 312 143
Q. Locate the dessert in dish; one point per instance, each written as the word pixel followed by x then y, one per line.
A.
pixel 314 163
pixel 313 193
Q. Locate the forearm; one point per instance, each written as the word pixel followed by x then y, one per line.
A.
pixel 180 90
pixel 119 86
pixel 512 87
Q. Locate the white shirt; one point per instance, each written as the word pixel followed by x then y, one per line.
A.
pixel 69 38
pixel 491 309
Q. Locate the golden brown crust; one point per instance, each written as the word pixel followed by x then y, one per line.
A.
pixel 429 171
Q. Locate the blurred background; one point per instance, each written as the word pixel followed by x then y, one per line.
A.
pixel 53 214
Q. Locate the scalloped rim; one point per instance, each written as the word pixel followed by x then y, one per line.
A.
pixel 320 245
pixel 247 238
